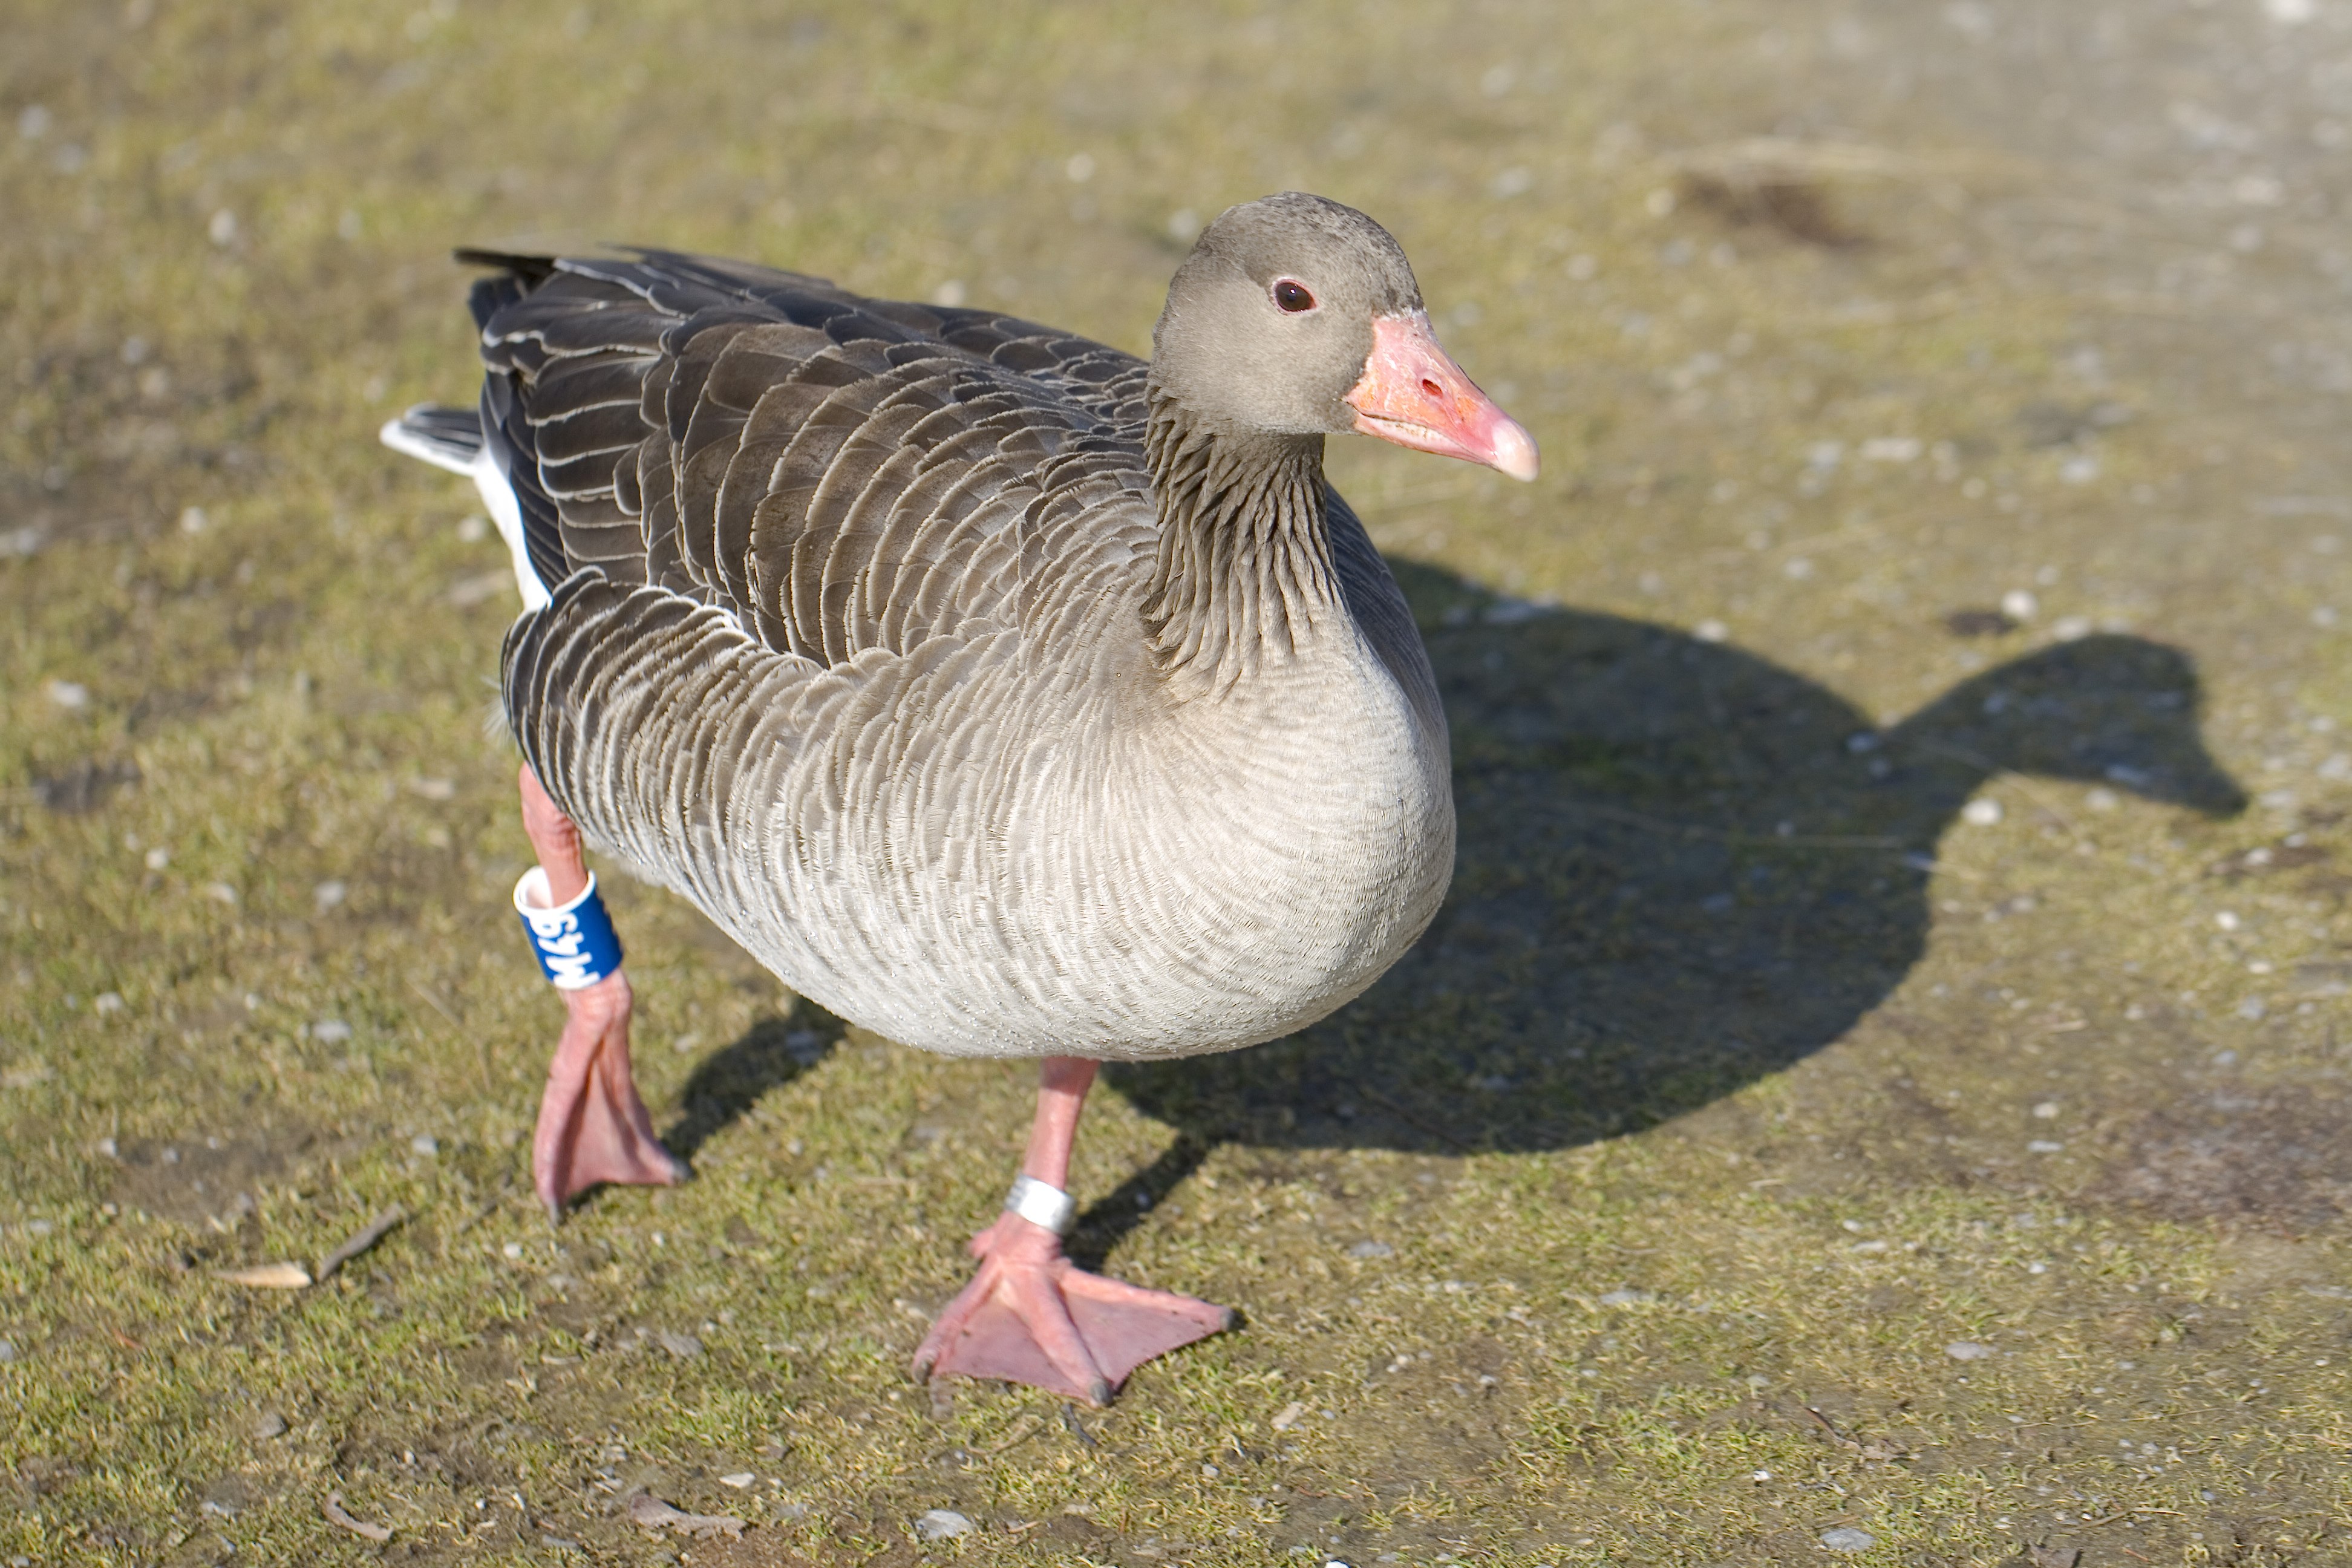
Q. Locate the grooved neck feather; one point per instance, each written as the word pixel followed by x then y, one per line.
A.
pixel 1243 570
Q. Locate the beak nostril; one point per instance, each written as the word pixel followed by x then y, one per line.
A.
pixel 1435 391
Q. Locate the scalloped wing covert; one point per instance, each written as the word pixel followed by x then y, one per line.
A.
pixel 837 473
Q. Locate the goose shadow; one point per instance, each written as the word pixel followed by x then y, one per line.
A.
pixel 726 1084
pixel 1681 867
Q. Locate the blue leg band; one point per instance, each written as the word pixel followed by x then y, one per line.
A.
pixel 574 942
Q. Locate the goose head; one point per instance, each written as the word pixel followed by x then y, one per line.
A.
pixel 1297 316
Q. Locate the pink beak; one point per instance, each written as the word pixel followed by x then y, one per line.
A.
pixel 1414 394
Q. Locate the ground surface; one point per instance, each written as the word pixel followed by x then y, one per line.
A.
pixel 1942 407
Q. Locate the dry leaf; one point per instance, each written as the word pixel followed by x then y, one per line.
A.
pixel 336 1516
pixel 269 1276
pixel 650 1512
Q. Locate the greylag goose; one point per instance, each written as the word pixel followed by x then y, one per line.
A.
pixel 1003 692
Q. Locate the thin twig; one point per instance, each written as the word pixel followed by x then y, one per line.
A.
pixel 481 1051
pixel 1022 1431
pixel 505 1186
pixel 377 1230
pixel 1831 1427
pixel 1070 1420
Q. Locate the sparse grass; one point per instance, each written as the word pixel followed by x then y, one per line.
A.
pixel 1695 1142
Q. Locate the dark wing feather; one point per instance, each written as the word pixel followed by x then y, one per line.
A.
pixel 838 473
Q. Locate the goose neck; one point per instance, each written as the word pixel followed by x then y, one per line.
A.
pixel 1244 575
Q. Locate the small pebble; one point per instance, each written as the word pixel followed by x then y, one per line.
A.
pixel 271 1425
pixel 1627 1296
pixel 2018 605
pixel 1845 1538
pixel 426 1144
pixel 158 857
pixel 1981 813
pixel 683 1346
pixel 108 1002
pixel 1372 1249
pixel 192 520
pixel 1967 1350
pixel 1711 631
pixel 221 893
pixel 513 1250
pixel 739 1480
pixel 70 695
pixel 941 1524
pixel 329 894
pixel 330 1031
pixel 7 1350
pixel 2043 1146
pixel 2047 1112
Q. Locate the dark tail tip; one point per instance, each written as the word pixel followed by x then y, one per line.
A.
pixel 445 436
pixel 531 270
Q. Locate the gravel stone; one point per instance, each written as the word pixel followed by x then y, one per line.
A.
pixel 1967 1350
pixel 942 1524
pixel 1845 1538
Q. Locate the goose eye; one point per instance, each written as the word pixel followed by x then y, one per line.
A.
pixel 1292 296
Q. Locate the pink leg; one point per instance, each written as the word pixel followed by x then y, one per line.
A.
pixel 593 1126
pixel 1033 1316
